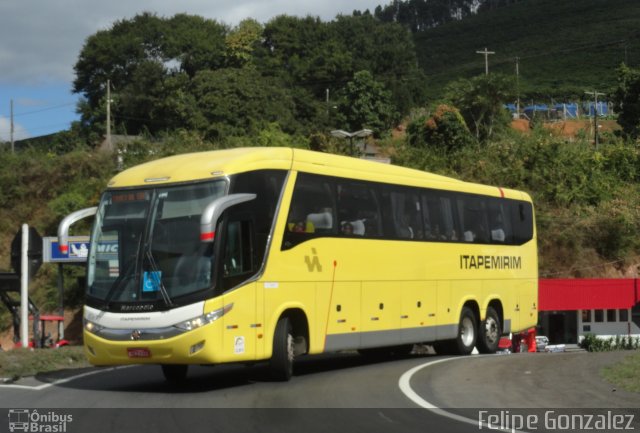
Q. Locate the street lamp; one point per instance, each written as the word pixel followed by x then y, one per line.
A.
pixel 351 135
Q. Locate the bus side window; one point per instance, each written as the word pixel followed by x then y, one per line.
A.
pixel 522 221
pixel 311 212
pixel 238 253
pixel 358 209
pixel 437 217
pixel 473 214
pixel 500 222
pixel 406 215
pixel 450 227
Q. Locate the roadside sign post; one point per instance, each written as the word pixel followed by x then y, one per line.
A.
pixel 24 287
pixel 76 254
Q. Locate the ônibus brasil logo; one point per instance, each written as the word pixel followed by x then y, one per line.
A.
pixel 32 421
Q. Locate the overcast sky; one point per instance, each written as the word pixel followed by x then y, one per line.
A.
pixel 40 41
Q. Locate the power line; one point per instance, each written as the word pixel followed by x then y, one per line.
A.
pixel 54 107
pixel 48 108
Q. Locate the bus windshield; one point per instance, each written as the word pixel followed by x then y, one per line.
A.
pixel 146 245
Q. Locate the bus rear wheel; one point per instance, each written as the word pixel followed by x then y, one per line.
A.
pixel 489 332
pixel 281 363
pixel 467 332
pixel 175 373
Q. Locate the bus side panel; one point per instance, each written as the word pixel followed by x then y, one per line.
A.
pixel 380 312
pixel 446 317
pixel 528 294
pixel 418 313
pixel 344 325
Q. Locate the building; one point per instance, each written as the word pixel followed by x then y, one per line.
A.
pixel 571 308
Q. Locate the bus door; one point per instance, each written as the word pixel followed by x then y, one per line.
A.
pixel 237 264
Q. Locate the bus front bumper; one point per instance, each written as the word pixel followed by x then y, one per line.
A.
pixel 188 348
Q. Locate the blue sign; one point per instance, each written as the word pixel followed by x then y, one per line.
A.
pixel 151 281
pixel 77 253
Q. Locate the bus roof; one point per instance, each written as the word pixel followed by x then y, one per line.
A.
pixel 219 163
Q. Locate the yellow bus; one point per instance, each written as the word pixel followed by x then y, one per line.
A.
pixel 268 254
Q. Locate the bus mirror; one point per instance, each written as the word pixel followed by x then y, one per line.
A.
pixel 63 228
pixel 214 210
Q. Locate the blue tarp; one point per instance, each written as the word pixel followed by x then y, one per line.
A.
pixel 603 108
pixel 530 110
pixel 567 111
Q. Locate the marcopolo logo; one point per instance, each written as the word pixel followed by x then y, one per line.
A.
pixel 33 421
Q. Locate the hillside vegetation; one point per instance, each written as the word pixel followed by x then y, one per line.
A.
pixel 564 47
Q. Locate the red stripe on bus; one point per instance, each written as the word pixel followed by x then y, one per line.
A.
pixel 207 236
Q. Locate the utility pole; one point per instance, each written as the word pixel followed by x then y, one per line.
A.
pixel 108 138
pixel 486 59
pixel 595 115
pixel 518 86
pixel 327 100
pixel 13 150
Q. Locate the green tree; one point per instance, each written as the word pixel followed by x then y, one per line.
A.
pixel 388 52
pixel 626 100
pixel 481 102
pixel 304 52
pixel 140 56
pixel 241 42
pixel 233 102
pixel 365 103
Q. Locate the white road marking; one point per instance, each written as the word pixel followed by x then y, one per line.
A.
pixel 405 386
pixel 61 381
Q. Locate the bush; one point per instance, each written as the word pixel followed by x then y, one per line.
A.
pixel 591 343
pixel 445 129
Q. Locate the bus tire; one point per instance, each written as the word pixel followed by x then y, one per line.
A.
pixel 281 362
pixel 175 373
pixel 489 332
pixel 464 343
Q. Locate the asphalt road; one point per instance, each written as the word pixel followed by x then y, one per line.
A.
pixel 332 393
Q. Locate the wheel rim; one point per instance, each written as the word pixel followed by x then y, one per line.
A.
pixel 491 330
pixel 467 331
pixel 290 349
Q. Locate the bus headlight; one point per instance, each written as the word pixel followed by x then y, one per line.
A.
pixel 92 327
pixel 199 321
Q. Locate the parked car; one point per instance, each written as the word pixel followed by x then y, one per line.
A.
pixel 541 343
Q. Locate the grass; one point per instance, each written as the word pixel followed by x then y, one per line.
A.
pixel 625 374
pixel 26 362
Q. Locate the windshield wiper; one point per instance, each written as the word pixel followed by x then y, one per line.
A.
pixel 118 285
pixel 163 290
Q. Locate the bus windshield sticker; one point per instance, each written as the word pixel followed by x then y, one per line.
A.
pixel 151 281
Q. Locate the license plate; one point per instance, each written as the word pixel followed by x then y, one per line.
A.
pixel 138 352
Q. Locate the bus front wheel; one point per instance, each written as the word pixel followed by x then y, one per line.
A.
pixel 281 363
pixel 489 332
